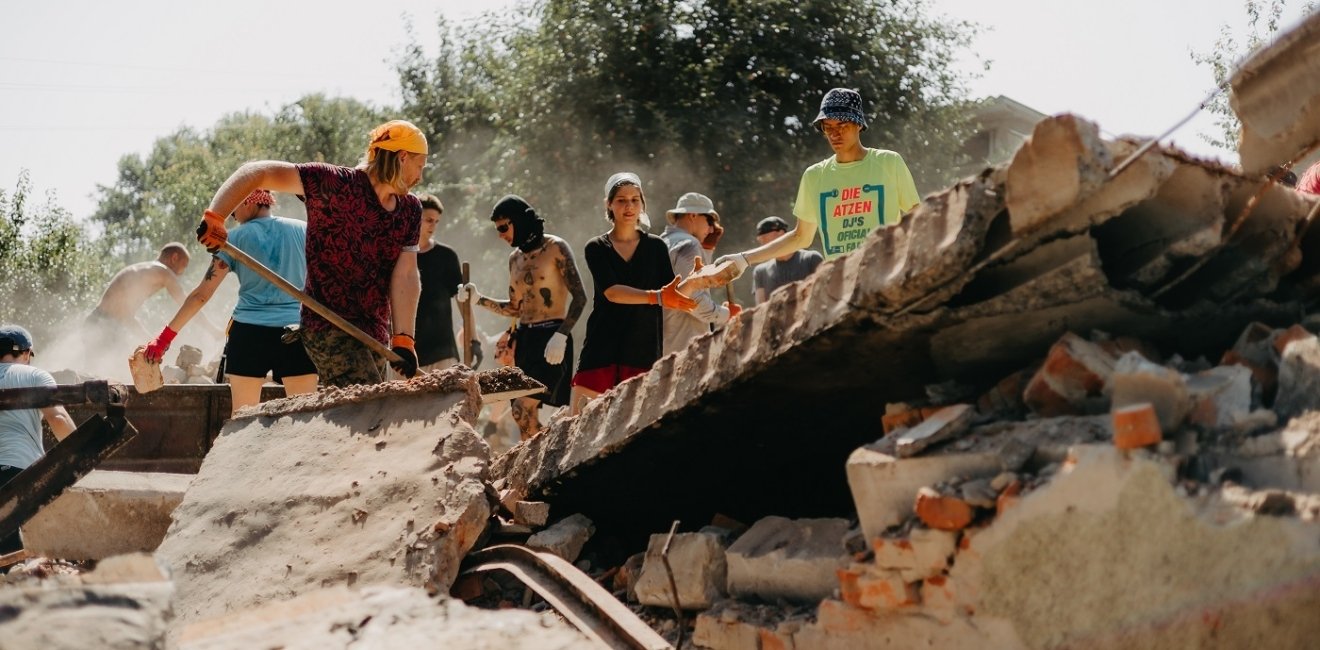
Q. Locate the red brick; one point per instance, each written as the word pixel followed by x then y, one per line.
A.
pixel 1008 498
pixel 1074 370
pixel 1136 426
pixel 908 418
pixel 1294 333
pixel 885 590
pixel 942 512
pixel 771 640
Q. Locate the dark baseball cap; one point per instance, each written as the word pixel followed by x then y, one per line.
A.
pixel 14 339
pixel 771 224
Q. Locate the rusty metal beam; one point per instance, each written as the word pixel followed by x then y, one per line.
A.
pixel 583 603
pixel 61 467
pixel 91 392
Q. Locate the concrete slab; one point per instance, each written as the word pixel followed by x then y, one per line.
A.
pixel 792 559
pixel 884 487
pixel 105 514
pixel 381 484
pixel 112 615
pixel 700 572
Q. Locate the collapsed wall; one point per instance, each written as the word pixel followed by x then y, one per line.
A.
pixel 370 485
pixel 977 283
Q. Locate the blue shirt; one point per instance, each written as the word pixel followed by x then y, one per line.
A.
pixel 279 244
pixel 20 429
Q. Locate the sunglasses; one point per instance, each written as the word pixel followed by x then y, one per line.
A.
pixel 502 228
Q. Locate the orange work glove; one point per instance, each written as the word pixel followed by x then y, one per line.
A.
pixel 404 346
pixel 670 298
pixel 713 237
pixel 697 264
pixel 211 231
pixel 734 309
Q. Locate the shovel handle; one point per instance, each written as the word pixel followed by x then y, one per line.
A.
pixel 312 303
pixel 465 310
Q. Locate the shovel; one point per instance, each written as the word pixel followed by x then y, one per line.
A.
pixel 147 377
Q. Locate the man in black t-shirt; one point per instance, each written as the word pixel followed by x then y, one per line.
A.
pixel 441 276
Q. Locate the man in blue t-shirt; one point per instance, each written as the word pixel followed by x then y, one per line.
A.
pixel 20 429
pixel 256 333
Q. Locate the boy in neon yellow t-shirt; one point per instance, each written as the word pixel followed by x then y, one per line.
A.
pixel 845 196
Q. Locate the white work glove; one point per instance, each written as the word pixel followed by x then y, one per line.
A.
pixel 466 292
pixel 739 263
pixel 554 348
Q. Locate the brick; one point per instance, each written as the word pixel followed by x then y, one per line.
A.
pixel 1009 497
pixel 1136 426
pixel 892 422
pixel 1073 376
pixel 942 512
pixel 923 553
pixel 1136 380
pixel 879 589
pixel 1294 333
pixel 774 640
pixel 1006 396
pixel 940 598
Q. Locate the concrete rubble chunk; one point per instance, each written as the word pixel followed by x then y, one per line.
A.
pixel 531 513
pixel 1136 380
pixel 1072 379
pixel 338 618
pixel 1288 459
pixel 1276 97
pixel 565 538
pixel 1299 378
pixel 1195 559
pixel 923 553
pixel 700 573
pixel 105 514
pixel 792 559
pixel 381 484
pixel 114 616
pixel 944 424
pixel 884 487
pixel 1220 397
pixel 1062 163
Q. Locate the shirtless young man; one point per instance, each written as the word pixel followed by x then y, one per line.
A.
pixel 546 296
pixel 133 284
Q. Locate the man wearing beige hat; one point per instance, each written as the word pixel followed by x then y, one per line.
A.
pixel 362 230
pixel 693 229
pixel 845 196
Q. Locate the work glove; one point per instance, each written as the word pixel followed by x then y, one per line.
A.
pixel 713 237
pixel 477 356
pixel 670 298
pixel 211 231
pixel 734 309
pixel 155 351
pixel 466 292
pixel 554 348
pixel 739 263
pixel 404 346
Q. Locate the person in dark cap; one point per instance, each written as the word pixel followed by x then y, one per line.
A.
pixel 20 429
pixel 784 269
pixel 546 296
pixel 845 196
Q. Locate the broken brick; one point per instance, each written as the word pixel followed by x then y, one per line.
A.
pixel 1136 426
pixel 1006 396
pixel 942 512
pixel 1294 333
pixel 1074 374
pixel 894 421
pixel 1136 380
pixel 924 552
pixel 943 424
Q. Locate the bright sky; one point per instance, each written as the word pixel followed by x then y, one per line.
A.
pixel 84 82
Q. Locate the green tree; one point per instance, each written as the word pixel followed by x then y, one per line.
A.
pixel 53 270
pixel 1264 17
pixel 714 96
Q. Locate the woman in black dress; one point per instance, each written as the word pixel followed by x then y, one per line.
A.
pixel 633 279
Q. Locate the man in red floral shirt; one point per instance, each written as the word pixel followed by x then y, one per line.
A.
pixel 362 229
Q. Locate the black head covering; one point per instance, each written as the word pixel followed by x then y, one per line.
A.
pixel 528 227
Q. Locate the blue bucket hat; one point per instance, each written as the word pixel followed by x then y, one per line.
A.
pixel 14 339
pixel 841 104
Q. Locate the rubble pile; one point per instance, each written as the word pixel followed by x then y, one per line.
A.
pixel 189 369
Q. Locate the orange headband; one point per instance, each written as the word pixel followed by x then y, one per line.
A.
pixel 397 135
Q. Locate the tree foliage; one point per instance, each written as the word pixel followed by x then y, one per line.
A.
pixel 52 270
pixel 715 96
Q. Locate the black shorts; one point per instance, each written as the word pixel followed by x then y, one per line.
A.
pixel 254 350
pixel 529 357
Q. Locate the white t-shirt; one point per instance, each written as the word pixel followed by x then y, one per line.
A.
pixel 20 429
